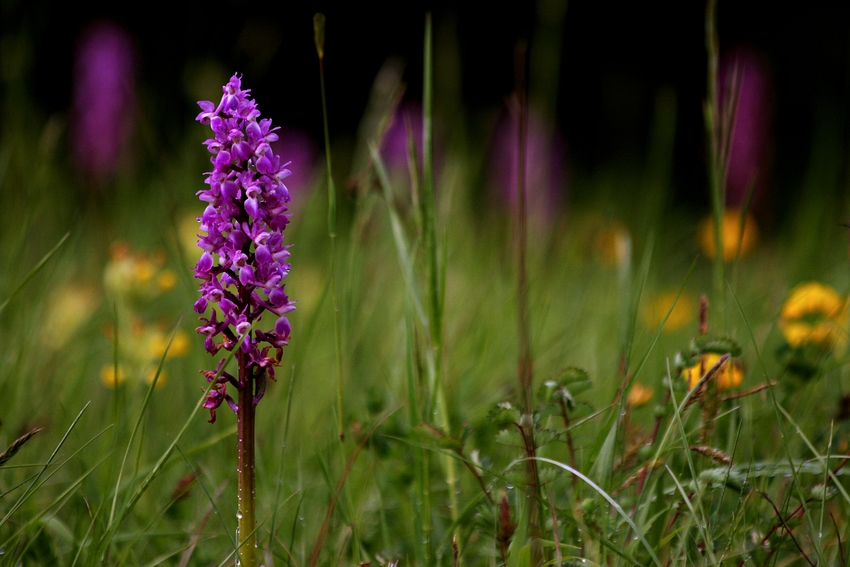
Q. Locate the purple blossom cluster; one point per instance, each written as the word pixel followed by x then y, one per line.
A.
pixel 104 99
pixel 750 153
pixel 244 260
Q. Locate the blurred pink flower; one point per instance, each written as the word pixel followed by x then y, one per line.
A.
pixel 545 166
pixel 750 152
pixel 103 99
pixel 298 147
pixel 394 148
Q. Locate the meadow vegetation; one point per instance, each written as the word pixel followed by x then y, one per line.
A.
pixel 608 392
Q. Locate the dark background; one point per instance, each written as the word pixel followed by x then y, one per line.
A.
pixel 614 57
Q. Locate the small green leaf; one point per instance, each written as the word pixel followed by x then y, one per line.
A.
pixel 451 443
pixel 510 437
pixel 544 436
pixel 504 414
pixel 572 374
pixel 714 344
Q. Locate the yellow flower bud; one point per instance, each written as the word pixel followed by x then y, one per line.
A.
pixel 639 395
pixel 108 377
pixel 731 233
pixel 166 280
pixel 683 313
pixel 150 374
pixel 729 376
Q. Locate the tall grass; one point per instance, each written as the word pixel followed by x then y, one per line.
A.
pixel 405 431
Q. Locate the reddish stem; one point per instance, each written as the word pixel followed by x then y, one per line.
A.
pixel 246 487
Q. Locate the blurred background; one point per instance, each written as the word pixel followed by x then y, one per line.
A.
pixel 599 70
pixel 98 140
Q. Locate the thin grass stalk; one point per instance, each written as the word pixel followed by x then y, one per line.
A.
pixel 698 512
pixel 141 488
pixel 605 430
pixel 213 508
pixel 524 333
pixel 31 274
pixel 778 409
pixel 428 199
pixel 428 203
pixel 139 420
pixel 711 109
pixel 824 482
pixel 421 516
pixel 282 458
pixel 613 503
pixel 421 503
pixel 337 489
pixel 57 502
pixel 319 37
pixel 32 487
pixel 65 494
pixel 525 359
pixel 82 543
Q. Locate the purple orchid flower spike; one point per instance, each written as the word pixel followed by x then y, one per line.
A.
pixel 242 271
pixel 244 263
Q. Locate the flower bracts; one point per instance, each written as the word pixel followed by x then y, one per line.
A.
pixel 244 260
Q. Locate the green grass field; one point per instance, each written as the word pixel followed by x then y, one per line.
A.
pixel 606 458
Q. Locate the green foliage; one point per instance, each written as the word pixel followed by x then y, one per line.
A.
pixel 425 298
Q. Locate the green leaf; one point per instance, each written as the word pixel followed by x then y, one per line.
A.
pixel 524 559
pixel 504 414
pixel 511 437
pixel 709 343
pixel 545 436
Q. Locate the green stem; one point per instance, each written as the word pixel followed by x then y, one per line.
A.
pixel 319 37
pixel 525 360
pixel 435 285
pixel 246 536
pixel 428 198
pixel 717 161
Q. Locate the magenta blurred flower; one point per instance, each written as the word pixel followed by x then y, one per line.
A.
pixel 103 99
pixel 750 151
pixel 545 166
pixel 394 147
pixel 299 148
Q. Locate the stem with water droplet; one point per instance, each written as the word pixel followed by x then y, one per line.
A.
pixel 245 514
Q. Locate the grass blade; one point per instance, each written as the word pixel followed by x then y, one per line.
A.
pixel 34 271
pixel 610 501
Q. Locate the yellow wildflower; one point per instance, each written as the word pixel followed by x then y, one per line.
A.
pixel 813 313
pixel 69 308
pixel 108 377
pixel 136 275
pixel 143 270
pixel 639 395
pixel 166 280
pixel 159 342
pixel 732 237
pixel 729 376
pixel 614 244
pixel 150 374
pixel 682 314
